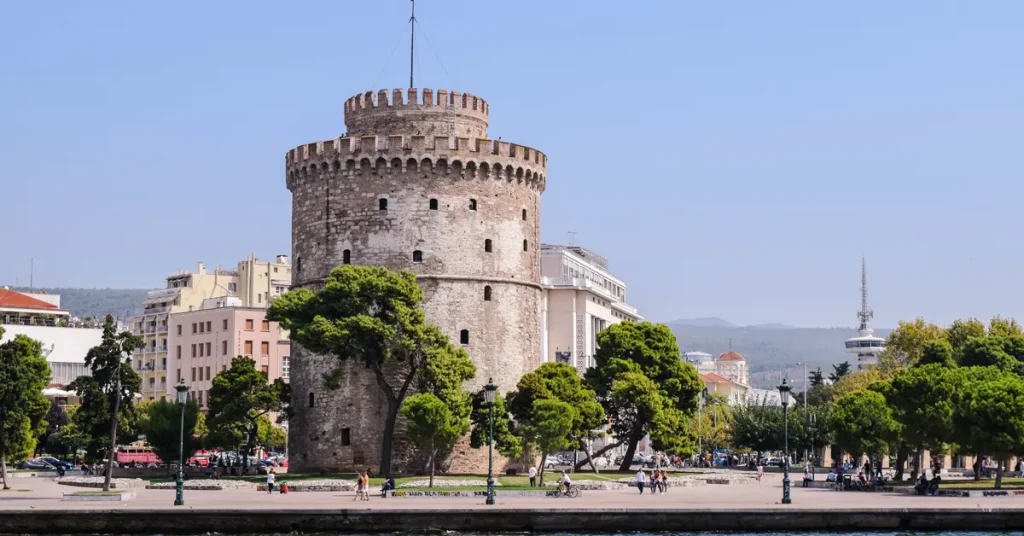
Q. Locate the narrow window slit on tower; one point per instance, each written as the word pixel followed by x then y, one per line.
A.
pixel 417 256
pixel 487 245
pixel 472 204
pixel 526 245
pixel 524 214
pixel 312 399
pixel 464 336
pixel 487 293
pixel 382 204
pixel 346 257
pixel 433 204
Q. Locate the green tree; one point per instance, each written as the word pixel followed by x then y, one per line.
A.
pixel 960 331
pixel 369 316
pixel 840 371
pixel 550 427
pixel 712 427
pixel 431 425
pixel 905 345
pixel 803 436
pixel 989 415
pixel 239 397
pixel 1002 351
pixel 71 435
pixel 24 374
pixel 163 429
pixel 937 352
pixel 560 382
pixel 269 436
pixel 862 423
pixel 922 399
pixel 757 426
pixel 816 377
pixel 108 395
pixel 49 440
pixel 644 387
pixel 506 439
pixel 1004 327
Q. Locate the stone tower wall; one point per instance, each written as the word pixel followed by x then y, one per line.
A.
pixel 484 190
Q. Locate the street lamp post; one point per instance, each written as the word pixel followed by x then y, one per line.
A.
pixel 179 493
pixel 700 423
pixel 489 391
pixel 807 382
pixel 784 396
pixel 812 420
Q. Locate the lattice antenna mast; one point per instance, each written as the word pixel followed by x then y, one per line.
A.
pixel 412 41
pixel 865 314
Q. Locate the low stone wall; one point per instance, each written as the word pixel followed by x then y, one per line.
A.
pixel 171 521
pixel 97 482
pixel 205 485
pixel 113 497
pixel 314 485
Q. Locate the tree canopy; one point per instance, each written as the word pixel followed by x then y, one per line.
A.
pixel 923 397
pixel 862 423
pixel 163 429
pixel 644 387
pixel 372 316
pixel 24 374
pixel 988 415
pixel 239 397
pixel 431 425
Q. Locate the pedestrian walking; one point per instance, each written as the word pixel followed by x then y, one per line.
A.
pixel 270 481
pixel 533 476
pixel 640 479
pixel 366 485
pixel 760 472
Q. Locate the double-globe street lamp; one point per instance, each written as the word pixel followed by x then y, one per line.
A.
pixel 489 391
pixel 179 498
pixel 784 396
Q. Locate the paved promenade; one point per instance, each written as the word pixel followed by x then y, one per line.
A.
pixel 42 493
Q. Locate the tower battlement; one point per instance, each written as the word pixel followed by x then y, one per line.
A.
pixel 424 111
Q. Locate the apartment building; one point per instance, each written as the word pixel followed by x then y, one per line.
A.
pixel 581 298
pixel 253 282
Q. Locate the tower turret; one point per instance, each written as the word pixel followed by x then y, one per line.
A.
pixel 866 345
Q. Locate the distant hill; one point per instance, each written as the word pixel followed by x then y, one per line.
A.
pixel 771 349
pixel 709 322
pixel 97 302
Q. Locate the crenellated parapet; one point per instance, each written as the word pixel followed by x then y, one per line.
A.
pixel 464 157
pixel 417 111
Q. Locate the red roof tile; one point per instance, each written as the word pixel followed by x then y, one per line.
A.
pixel 712 377
pixel 731 356
pixel 15 300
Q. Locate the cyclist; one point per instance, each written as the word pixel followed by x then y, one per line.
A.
pixel 564 483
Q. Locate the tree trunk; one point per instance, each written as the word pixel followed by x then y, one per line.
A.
pixel 3 470
pixel 112 452
pixel 999 474
pixel 587 449
pixel 433 453
pixel 627 460
pixel 599 452
pixel 977 467
pixel 389 433
pixel 901 460
pixel 250 443
pixel 543 462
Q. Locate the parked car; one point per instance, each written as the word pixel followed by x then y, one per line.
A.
pixel 36 464
pixel 57 463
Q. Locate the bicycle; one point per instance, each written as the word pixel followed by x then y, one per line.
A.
pixel 571 492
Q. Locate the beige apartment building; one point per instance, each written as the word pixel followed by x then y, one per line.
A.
pixel 205 341
pixel 253 282
pixel 581 298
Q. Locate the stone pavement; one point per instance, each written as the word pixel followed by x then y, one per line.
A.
pixel 43 493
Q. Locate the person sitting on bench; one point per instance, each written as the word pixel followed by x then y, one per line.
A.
pixel 389 485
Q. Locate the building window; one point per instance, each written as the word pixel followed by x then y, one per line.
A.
pixel 248 324
pixel 232 287
pixel 487 245
pixel 487 293
pixel 177 351
pixel 433 204
pixel 195 328
pixel 225 325
pixel 524 214
pixel 248 348
pixel 346 257
pixel 179 329
pixel 285 367
pixel 259 298
pixel 464 336
pixel 209 326
pixel 264 348
pixel 417 256
pixel 193 374
pixel 202 328
pixel 382 204
pixel 472 204
pixel 201 354
pixel 346 437
pixel 207 373
pixel 266 370
pixel 265 325
pixel 200 398
pixel 193 350
pixel 223 347
pixel 209 352
pixel 179 376
pixel 526 246
pixel 312 399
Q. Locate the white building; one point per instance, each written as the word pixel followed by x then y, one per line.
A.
pixel 581 297
pixel 727 376
pixel 866 345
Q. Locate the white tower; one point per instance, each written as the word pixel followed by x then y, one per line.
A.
pixel 866 345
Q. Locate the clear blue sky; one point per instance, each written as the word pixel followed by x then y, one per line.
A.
pixel 731 159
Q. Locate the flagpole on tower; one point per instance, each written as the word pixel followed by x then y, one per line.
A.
pixel 412 41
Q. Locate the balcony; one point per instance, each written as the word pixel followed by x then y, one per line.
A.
pixel 156 311
pixel 161 328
